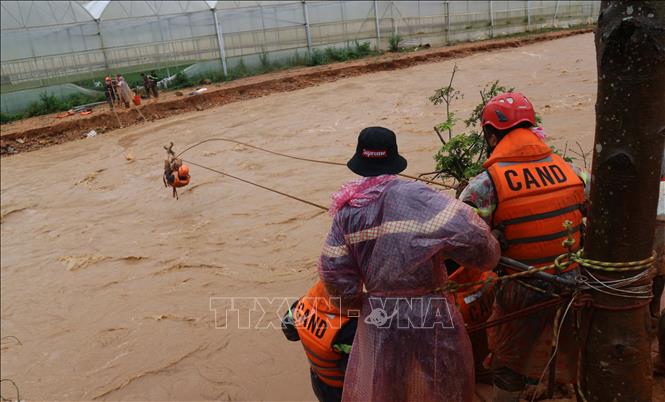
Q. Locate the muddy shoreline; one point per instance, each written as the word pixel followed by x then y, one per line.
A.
pixel 45 131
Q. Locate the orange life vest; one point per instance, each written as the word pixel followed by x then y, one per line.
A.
pixel 475 303
pixel 537 191
pixel 178 181
pixel 318 322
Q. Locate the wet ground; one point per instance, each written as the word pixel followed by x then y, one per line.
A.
pixel 107 280
pixel 43 131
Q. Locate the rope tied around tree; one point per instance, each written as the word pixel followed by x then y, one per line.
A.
pixel 585 281
pixel 560 263
pixel 615 266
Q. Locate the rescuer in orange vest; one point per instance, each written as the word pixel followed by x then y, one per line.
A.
pixel 326 336
pixel 525 194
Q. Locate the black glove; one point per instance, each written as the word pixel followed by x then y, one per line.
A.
pixel 288 326
pixel 503 242
pixel 451 266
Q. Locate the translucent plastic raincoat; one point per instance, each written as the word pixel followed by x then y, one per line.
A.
pixel 391 237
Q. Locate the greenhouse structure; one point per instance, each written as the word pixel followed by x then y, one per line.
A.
pixel 52 46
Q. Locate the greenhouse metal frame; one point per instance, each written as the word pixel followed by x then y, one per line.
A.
pixel 53 42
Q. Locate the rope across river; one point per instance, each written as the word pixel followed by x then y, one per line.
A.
pixel 297 158
pixel 623 288
pixel 559 264
pixel 258 185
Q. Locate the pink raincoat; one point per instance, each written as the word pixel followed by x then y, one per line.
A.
pixel 391 237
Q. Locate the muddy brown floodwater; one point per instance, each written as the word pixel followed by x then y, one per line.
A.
pixel 107 281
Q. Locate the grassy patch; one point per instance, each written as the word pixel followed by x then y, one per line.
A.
pixel 9 117
pixel 315 58
pixel 394 40
pixel 51 104
pixel 541 31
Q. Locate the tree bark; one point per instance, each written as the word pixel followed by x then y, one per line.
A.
pixel 630 130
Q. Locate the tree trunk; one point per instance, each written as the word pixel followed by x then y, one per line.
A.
pixel 630 129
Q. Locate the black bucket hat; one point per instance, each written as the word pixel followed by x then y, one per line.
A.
pixel 376 153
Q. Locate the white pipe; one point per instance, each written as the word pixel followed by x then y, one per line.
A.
pixel 378 26
pixel 344 27
pixel 309 35
pixel 220 42
pixel 101 44
pixel 392 17
pixel 447 7
pixel 491 19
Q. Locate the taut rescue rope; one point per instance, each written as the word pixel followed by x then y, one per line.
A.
pixel 258 185
pixel 299 158
pixel 560 263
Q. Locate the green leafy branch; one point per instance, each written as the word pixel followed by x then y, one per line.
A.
pixel 461 155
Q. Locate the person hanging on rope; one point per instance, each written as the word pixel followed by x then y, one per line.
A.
pixel 525 194
pixel 384 255
pixel 176 174
pixel 326 335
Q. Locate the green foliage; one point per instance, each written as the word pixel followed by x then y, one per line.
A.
pixel 9 117
pixel 487 93
pixel 461 156
pixel 316 58
pixel 447 125
pixel 394 40
pixel 297 60
pixel 213 76
pixel 51 104
pixel 446 96
pixel 563 153
pixel 334 54
pixel 362 49
pixel 266 65
pixel 181 81
pixel 133 77
pixel 239 71
pixel 264 57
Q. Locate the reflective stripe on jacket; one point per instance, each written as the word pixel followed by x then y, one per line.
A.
pixel 537 191
pixel 318 322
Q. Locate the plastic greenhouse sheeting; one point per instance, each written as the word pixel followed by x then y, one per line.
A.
pixel 45 43
pixel 15 102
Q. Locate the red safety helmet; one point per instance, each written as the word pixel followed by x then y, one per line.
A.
pixel 508 110
pixel 183 171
